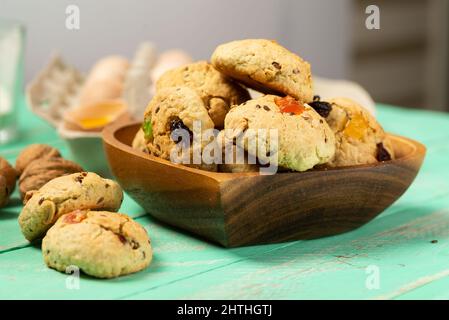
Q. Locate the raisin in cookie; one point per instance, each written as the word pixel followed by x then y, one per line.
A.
pixel 100 243
pixel 179 111
pixel 359 137
pixel 304 138
pixel 265 66
pixel 65 194
pixel 217 91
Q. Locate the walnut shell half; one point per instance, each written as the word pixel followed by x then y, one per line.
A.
pixel 39 172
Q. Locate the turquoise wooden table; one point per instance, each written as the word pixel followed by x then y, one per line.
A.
pixel 402 254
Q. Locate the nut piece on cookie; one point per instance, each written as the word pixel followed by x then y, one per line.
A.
pixel 8 176
pixel 359 137
pixel 304 138
pixel 35 152
pixel 85 190
pixel 173 115
pixel 266 66
pixel 39 172
pixel 101 244
pixel 218 92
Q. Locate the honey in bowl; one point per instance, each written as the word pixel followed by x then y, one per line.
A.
pixel 96 116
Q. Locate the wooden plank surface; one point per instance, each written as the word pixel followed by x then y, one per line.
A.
pixel 399 244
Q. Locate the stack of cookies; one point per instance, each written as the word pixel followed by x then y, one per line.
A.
pixel 311 133
pixel 76 215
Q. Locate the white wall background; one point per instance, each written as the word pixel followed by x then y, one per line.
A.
pixel 315 29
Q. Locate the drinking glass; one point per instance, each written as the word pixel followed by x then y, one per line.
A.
pixel 12 38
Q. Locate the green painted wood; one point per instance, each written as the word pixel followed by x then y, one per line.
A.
pixel 177 256
pixel 398 243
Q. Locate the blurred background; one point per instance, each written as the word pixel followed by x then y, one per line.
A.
pixel 404 63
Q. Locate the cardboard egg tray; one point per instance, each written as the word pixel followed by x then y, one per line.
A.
pixel 57 86
pixel 54 90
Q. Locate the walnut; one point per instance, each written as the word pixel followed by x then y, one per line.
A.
pixel 35 152
pixel 41 171
pixel 8 176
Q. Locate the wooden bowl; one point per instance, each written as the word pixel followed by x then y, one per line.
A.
pixel 238 209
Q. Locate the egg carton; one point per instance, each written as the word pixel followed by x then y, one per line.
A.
pixel 54 90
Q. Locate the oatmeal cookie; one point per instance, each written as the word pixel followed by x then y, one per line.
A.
pixel 218 92
pixel 359 137
pixel 101 244
pixel 266 66
pixel 304 138
pixel 85 190
pixel 176 110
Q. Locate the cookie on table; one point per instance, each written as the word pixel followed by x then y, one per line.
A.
pixel 305 139
pixel 266 66
pixel 218 92
pixel 85 190
pixel 101 244
pixel 359 137
pixel 175 110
